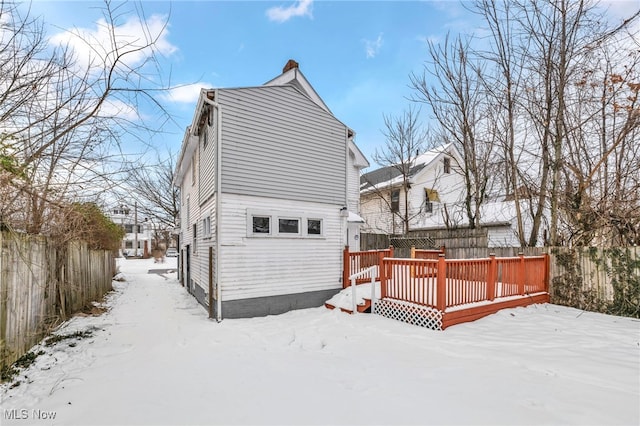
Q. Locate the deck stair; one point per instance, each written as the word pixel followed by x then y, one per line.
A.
pixel 362 307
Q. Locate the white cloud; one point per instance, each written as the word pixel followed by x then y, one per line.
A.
pixel 120 109
pixel 187 93
pixel 95 45
pixel 372 47
pixel 426 40
pixel 283 14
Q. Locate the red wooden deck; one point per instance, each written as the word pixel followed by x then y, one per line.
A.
pixel 454 290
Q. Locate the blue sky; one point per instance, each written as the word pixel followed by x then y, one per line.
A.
pixel 356 54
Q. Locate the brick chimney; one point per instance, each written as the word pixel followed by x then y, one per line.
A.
pixel 291 64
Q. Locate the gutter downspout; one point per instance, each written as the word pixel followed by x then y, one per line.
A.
pixel 343 221
pixel 218 166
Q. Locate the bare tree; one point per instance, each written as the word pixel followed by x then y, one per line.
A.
pixel 62 116
pixel 152 185
pixel 404 141
pixel 455 99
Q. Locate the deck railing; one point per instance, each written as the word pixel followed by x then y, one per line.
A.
pixel 355 262
pixel 432 254
pixel 446 283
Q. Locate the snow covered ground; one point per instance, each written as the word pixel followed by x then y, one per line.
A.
pixel 155 358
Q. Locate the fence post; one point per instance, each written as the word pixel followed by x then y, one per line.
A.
pixel 547 272
pixel 441 283
pixel 390 251
pixel 382 273
pixel 345 267
pixel 520 276
pixel 413 256
pixel 491 277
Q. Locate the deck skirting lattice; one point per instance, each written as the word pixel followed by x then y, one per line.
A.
pixel 410 313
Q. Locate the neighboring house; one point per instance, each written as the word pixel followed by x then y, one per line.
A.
pixel 138 233
pixel 436 200
pixel 434 182
pixel 268 178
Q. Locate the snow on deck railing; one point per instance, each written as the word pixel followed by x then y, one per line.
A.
pixel 445 283
pixel 370 272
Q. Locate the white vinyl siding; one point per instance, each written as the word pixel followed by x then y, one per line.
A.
pixel 277 143
pixel 200 258
pixel 268 266
pixel 207 164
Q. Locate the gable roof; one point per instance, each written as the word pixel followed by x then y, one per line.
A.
pixel 390 176
pixel 295 78
pixel 291 77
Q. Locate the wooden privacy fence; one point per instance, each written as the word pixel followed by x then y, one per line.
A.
pixel 42 284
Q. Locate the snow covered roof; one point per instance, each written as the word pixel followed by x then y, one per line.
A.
pixel 390 176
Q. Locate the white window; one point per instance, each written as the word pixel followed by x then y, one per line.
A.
pixel 288 226
pixel 283 225
pixel 260 225
pixel 314 226
pixel 195 237
pixel 206 227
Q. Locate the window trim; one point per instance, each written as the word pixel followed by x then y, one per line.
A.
pixel 297 219
pixel 274 224
pixel 321 234
pixel 250 230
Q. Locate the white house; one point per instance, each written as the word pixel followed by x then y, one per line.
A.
pixel 269 184
pixel 434 182
pixel 435 200
pixel 138 233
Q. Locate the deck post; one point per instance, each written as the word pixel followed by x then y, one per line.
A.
pixel 491 277
pixel 354 296
pixel 345 267
pixel 442 249
pixel 390 251
pixel 441 283
pixel 520 276
pixel 382 274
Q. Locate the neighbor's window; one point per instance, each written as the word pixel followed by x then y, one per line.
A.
pixel 447 165
pixel 261 224
pixel 288 226
pixel 395 201
pixel 314 226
